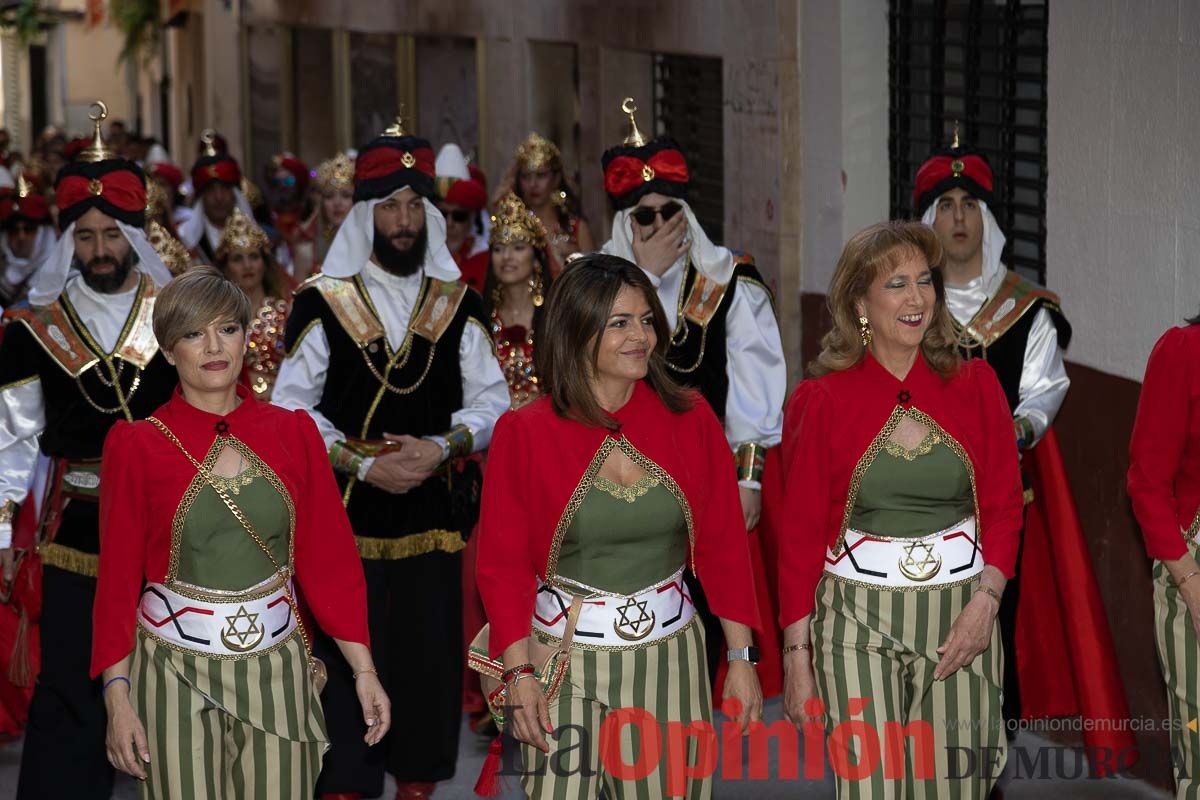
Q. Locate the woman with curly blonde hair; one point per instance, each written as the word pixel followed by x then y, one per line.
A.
pixel 903 506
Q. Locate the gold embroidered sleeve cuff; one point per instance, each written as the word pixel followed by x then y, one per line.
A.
pixel 1025 433
pixel 344 460
pixel 461 441
pixel 7 509
pixel 750 459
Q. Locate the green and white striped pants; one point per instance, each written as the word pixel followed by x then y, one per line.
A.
pixel 1179 656
pixel 244 729
pixel 668 679
pixel 879 646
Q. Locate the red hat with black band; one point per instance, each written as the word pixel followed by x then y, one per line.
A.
pixel 115 186
pixel 637 168
pixel 167 171
pixel 953 168
pixel 214 165
pixel 392 161
pixel 27 205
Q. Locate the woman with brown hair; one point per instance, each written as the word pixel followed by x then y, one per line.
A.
pixel 599 494
pixel 903 507
pixel 536 177
pixel 334 188
pixel 244 256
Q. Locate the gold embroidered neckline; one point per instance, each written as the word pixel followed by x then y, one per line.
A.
pixel 923 448
pixel 234 484
pixel 627 493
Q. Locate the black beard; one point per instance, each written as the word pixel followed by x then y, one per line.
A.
pixel 397 261
pixel 110 283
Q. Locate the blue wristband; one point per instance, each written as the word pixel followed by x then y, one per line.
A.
pixel 111 681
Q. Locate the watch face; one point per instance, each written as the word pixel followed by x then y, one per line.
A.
pixel 752 655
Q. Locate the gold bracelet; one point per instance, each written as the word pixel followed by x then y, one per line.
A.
pixel 791 648
pixel 1185 578
pixel 989 591
pixel 365 671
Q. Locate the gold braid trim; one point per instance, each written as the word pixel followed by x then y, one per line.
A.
pixel 417 544
pixel 69 559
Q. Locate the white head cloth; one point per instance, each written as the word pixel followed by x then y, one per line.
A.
pixel 193 229
pixel 451 163
pixel 157 154
pixel 52 274
pixel 993 244
pixel 355 239
pixel 17 269
pixel 713 261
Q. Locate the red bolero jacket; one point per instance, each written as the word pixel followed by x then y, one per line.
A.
pixel 1164 452
pixel 143 478
pixel 537 460
pixel 829 423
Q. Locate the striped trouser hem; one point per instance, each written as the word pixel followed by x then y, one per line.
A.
pixel 1179 657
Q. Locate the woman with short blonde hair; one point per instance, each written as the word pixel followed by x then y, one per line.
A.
pixel 903 509
pixel 213 513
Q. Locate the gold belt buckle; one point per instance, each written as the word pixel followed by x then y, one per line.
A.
pixel 634 623
pixel 244 632
pixel 920 561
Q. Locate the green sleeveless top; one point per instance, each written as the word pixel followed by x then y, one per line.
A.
pixel 912 493
pixel 216 552
pixel 624 538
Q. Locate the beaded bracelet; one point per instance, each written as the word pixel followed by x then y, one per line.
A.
pixel 791 648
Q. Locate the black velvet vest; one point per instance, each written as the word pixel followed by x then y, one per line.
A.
pixel 429 384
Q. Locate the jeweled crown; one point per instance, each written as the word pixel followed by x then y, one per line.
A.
pixel 513 222
pixel 241 233
pixel 537 152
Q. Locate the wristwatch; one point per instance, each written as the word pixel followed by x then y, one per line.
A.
pixel 743 654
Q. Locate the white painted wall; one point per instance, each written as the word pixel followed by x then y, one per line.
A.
pixel 864 114
pixel 1123 218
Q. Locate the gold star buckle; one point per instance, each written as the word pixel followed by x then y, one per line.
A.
pixel 957 167
pixel 408 160
pixel 647 173
pixel 639 626
pixel 95 187
pixel 920 562
pixel 244 632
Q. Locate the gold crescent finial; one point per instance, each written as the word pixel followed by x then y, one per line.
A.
pixel 96 151
pixel 954 145
pixel 396 128
pixel 634 138
pixel 208 137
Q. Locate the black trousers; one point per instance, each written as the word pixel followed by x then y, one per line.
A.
pixel 63 754
pixel 1007 617
pixel 414 608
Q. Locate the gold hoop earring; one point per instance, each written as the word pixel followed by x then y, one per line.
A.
pixel 535 286
pixel 864 330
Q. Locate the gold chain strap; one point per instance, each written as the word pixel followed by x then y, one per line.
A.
pixel 245 522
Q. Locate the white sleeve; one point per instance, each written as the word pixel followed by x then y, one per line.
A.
pixel 22 419
pixel 1044 380
pixel 485 394
pixel 301 381
pixel 756 370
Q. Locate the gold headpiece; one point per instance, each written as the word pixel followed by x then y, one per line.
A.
pixel 172 252
pixel 954 145
pixel 336 173
pixel 514 222
pixel 634 138
pixel 208 138
pixel 24 187
pixel 538 152
pixel 156 200
pixel 96 151
pixel 241 233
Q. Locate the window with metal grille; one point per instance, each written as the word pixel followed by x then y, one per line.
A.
pixel 981 63
pixel 688 107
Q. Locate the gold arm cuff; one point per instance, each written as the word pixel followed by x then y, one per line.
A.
pixel 1027 496
pixel 750 457
pixel 461 440
pixel 344 459
pixel 69 559
pixel 7 509
pixel 416 544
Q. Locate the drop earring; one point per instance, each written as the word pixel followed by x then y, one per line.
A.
pixel 535 287
pixel 864 330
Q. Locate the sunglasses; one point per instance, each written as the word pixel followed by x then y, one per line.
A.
pixel 644 215
pixel 459 215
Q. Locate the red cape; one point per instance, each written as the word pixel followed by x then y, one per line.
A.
pixel 1065 656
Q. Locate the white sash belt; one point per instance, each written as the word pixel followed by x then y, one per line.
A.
pixel 610 620
pixel 239 627
pixel 929 562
